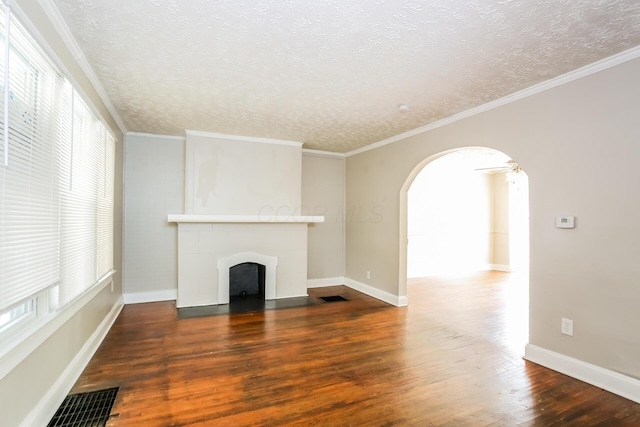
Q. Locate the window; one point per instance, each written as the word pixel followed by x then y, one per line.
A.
pixel 16 314
pixel 56 185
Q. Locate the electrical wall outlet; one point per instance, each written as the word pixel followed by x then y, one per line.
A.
pixel 566 327
pixel 368 274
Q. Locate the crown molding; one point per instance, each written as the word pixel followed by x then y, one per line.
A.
pixel 157 136
pixel 243 138
pixel 320 153
pixel 579 73
pixel 69 40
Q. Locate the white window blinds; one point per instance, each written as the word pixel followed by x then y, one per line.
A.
pixel 86 206
pixel 105 207
pixel 56 179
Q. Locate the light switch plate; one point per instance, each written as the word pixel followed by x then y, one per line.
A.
pixel 565 221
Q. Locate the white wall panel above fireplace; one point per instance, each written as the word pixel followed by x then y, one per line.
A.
pixel 240 176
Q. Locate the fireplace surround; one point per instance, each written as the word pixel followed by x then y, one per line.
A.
pixel 208 246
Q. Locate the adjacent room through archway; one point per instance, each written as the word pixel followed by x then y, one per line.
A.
pixel 468 211
pixel 468 236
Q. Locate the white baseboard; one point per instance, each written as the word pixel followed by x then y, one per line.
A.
pixel 328 281
pixel 499 267
pixel 48 405
pixel 152 296
pixel 398 301
pixel 606 379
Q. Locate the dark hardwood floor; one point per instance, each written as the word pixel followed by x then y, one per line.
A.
pixel 452 358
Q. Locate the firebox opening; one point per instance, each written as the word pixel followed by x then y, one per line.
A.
pixel 247 286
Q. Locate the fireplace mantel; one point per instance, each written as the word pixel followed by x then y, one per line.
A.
pixel 244 219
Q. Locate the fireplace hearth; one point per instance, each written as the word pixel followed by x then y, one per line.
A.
pixel 246 306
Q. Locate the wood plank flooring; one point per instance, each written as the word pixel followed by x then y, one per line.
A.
pixel 452 358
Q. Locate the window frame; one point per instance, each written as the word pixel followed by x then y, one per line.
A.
pixel 44 312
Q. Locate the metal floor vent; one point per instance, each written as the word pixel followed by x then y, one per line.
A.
pixel 333 298
pixel 85 409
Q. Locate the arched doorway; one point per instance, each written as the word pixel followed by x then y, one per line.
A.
pixel 475 210
pixel 466 211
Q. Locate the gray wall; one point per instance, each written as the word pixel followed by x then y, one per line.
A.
pixel 323 194
pixel 154 188
pixel 579 144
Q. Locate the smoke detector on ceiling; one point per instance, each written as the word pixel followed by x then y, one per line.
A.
pixel 403 108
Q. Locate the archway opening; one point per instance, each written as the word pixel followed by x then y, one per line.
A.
pixel 466 211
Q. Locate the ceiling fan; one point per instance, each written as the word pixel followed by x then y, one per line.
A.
pixel 508 166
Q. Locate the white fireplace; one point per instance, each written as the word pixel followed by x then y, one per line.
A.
pixel 242 205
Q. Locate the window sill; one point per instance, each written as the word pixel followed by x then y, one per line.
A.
pixel 18 346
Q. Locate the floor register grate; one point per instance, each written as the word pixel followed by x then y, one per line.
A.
pixel 333 298
pixel 85 409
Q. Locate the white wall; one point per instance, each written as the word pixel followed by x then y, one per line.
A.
pixel 323 194
pixel 154 188
pixel 578 143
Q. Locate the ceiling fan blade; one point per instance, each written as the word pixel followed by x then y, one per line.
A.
pixel 495 168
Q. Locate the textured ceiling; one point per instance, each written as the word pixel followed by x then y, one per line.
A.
pixel 331 73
